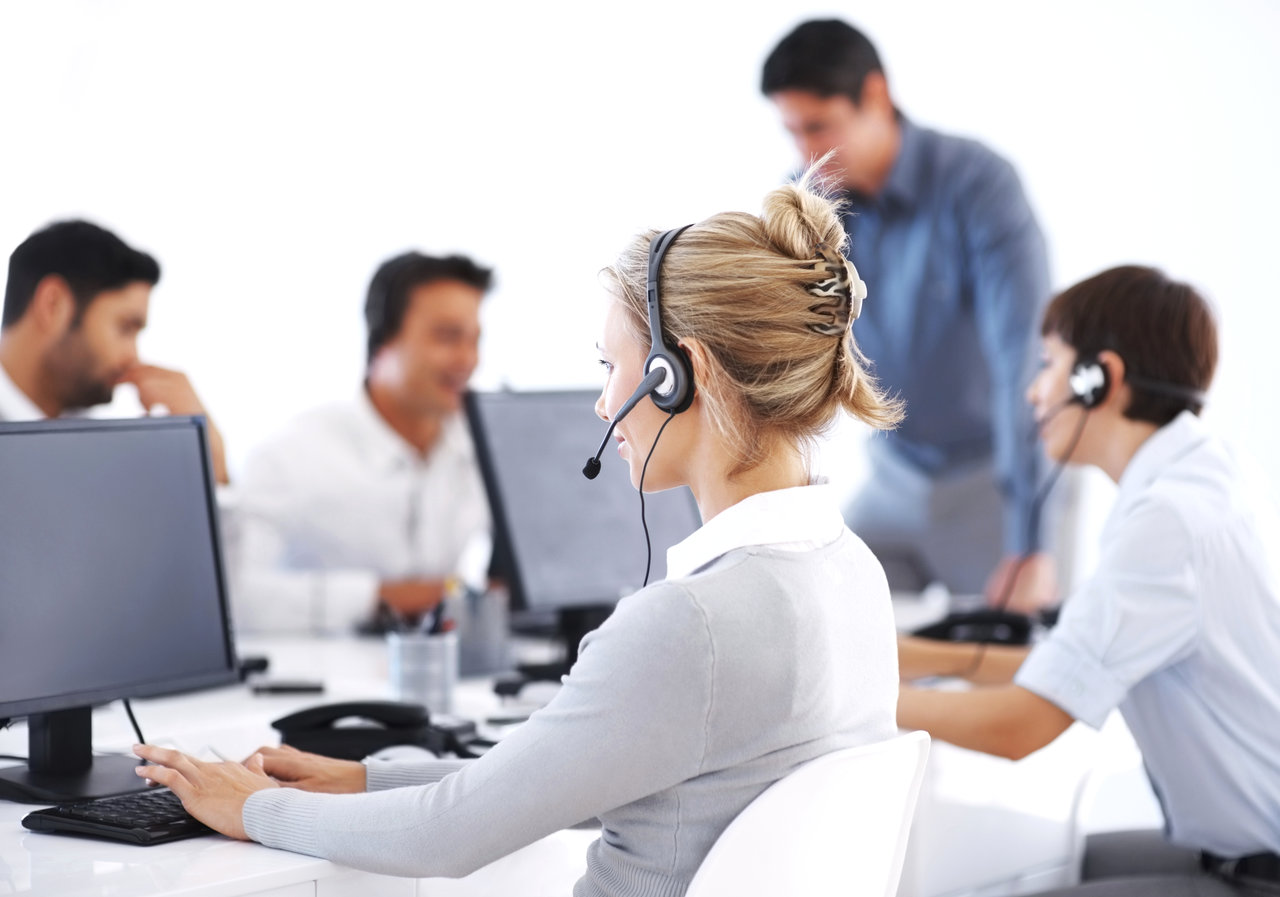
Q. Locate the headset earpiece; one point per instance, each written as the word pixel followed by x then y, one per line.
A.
pixel 668 374
pixel 1089 381
pixel 675 392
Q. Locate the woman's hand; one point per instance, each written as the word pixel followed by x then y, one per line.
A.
pixel 311 772
pixel 214 793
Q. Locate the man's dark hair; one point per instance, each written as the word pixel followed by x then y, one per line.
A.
pixel 826 57
pixel 396 278
pixel 89 258
pixel 1163 329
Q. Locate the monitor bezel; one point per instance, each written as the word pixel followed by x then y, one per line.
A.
pixel 170 685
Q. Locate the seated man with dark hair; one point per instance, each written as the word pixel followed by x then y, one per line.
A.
pixel 74 304
pixel 1179 627
pixel 361 510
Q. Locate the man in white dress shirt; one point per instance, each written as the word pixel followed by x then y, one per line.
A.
pixel 75 301
pixel 361 510
pixel 1179 627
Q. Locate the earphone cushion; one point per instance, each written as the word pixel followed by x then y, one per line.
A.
pixel 680 396
pixel 1089 382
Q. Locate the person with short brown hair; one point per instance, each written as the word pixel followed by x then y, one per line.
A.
pixel 1178 628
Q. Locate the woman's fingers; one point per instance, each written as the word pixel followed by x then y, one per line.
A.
pixel 163 775
pixel 214 793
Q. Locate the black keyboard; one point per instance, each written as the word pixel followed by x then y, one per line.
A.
pixel 147 817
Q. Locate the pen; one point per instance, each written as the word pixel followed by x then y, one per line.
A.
pixel 433 622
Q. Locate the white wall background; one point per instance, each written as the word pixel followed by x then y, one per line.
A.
pixel 270 154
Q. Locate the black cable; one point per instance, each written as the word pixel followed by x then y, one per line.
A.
pixel 648 545
pixel 1033 525
pixel 136 731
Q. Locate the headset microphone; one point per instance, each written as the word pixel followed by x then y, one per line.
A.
pixel 668 375
pixel 647 385
pixel 1053 412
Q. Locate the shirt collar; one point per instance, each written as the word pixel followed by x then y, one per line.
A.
pixel 388 449
pixel 800 517
pixel 14 403
pixel 1182 434
pixel 907 174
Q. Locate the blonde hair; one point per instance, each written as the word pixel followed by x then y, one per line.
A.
pixel 737 283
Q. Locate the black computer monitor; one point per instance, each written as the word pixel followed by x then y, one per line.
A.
pixel 111 586
pixel 564 543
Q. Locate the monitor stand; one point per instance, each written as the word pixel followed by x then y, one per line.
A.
pixel 61 767
pixel 572 625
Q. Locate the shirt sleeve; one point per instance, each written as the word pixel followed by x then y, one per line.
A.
pixel 267 596
pixel 1138 614
pixel 628 722
pixel 1010 276
pixel 382 775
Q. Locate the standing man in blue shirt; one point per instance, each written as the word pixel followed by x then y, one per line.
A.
pixel 943 234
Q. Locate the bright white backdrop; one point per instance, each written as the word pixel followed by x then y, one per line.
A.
pixel 270 154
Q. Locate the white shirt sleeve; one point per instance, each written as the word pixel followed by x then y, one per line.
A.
pixel 1139 613
pixel 267 595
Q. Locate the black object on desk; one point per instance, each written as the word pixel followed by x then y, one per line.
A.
pixel 287 687
pixel 997 627
pixel 353 730
pixel 148 817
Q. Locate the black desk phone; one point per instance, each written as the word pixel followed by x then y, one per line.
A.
pixel 352 730
pixel 992 626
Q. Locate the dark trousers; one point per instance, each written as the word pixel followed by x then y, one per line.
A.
pixel 1144 864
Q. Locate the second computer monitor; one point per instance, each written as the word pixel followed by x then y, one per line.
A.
pixel 568 542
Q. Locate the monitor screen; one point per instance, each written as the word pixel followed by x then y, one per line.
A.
pixel 111 584
pixel 568 542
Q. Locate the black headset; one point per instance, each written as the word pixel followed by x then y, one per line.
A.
pixel 675 393
pixel 1090 384
pixel 668 375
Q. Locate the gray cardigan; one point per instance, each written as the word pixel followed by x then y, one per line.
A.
pixel 689 701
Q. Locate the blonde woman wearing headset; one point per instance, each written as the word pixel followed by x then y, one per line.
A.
pixel 770 643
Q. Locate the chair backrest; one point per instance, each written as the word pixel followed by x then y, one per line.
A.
pixel 836 825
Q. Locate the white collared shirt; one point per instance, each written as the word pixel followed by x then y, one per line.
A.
pixel 1180 629
pixel 798 519
pixel 14 404
pixel 337 503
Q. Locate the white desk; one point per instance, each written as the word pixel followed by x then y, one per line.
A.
pixel 234 722
pixel 984 826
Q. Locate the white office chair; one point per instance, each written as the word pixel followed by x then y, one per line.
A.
pixel 837 825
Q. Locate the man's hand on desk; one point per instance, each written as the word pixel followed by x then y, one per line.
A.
pixel 214 793
pixel 312 772
pixel 411 597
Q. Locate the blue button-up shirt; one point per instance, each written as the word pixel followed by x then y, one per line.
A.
pixel 958 278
